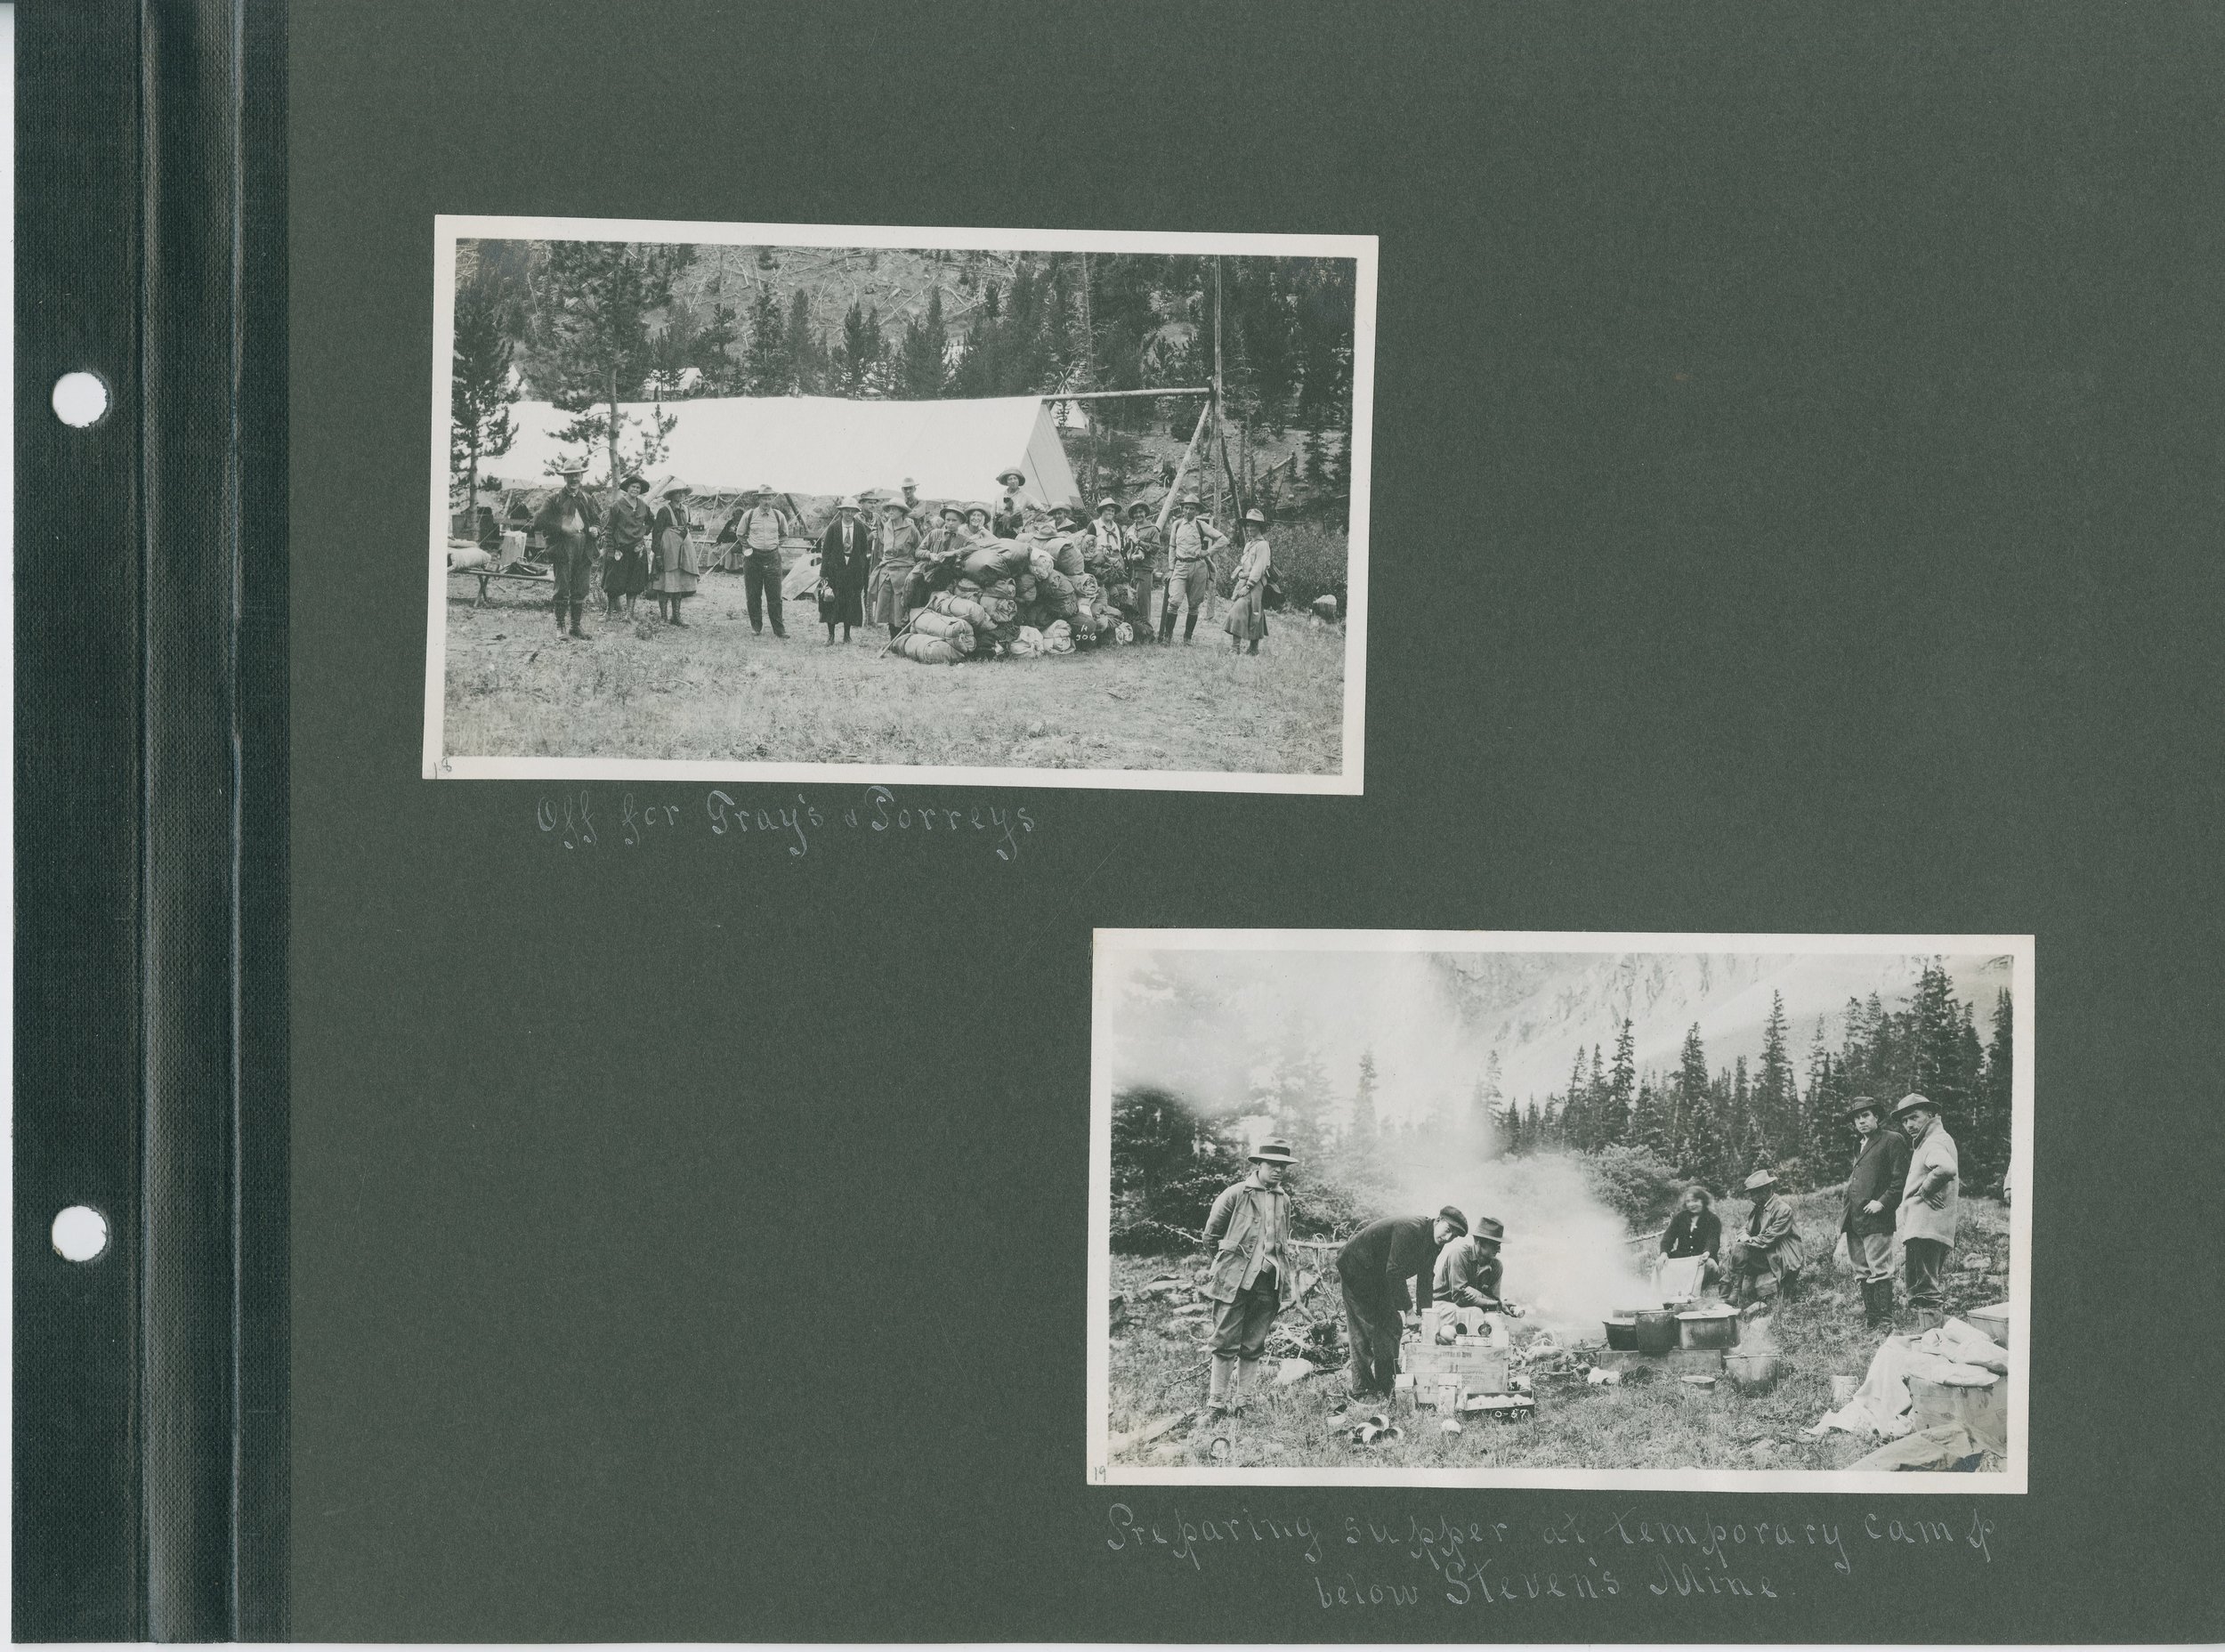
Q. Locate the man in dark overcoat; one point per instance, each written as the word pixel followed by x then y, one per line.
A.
pixel 844 550
pixel 1375 1269
pixel 569 523
pixel 1874 1190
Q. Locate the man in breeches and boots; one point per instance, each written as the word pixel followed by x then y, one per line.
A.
pixel 570 523
pixel 1252 1277
pixel 1374 1270
pixel 1191 542
pixel 757 536
pixel 1874 1187
pixel 1930 1203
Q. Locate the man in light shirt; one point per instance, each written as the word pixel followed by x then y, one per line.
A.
pixel 1191 542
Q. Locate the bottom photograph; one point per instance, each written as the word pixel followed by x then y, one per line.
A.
pixel 1707 1210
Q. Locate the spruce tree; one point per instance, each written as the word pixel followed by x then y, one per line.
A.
pixel 1699 1145
pixel 806 366
pixel 1775 1094
pixel 765 368
pixel 1621 1094
pixel 480 391
pixel 926 347
pixel 1997 1112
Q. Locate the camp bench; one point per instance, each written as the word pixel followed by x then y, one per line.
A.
pixel 525 572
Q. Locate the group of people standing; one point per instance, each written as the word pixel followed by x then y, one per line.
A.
pixel 879 564
pixel 1903 1185
pixel 641 549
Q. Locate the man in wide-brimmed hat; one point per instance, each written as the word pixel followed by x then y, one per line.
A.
pixel 1469 1270
pixel 1376 1269
pixel 1766 1260
pixel 1191 542
pixel 844 550
pixel 1874 1190
pixel 1930 1202
pixel 570 523
pixel 758 530
pixel 1011 514
pixel 1253 1276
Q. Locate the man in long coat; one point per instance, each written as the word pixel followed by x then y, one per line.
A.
pixel 844 550
pixel 569 523
pixel 1375 1269
pixel 1874 1190
pixel 1253 1276
pixel 1931 1204
pixel 1770 1257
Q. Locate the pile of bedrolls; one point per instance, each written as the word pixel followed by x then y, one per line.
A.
pixel 1015 599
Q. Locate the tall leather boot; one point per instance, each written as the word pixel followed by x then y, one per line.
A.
pixel 578 608
pixel 1247 1382
pixel 1189 626
pixel 1216 1387
pixel 1166 623
pixel 1871 1316
pixel 560 609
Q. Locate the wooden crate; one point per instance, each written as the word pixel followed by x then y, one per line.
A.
pixel 1474 1366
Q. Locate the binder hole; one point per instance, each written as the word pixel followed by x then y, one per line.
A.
pixel 81 1233
pixel 80 399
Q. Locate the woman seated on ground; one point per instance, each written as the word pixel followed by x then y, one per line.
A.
pixel 1694 1233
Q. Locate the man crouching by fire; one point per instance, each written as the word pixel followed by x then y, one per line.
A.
pixel 1253 1278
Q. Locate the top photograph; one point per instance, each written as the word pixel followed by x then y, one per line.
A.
pixel 751 501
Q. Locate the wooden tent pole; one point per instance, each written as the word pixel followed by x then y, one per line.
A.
pixel 1166 505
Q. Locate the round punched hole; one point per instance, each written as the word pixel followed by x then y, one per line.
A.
pixel 81 1233
pixel 80 399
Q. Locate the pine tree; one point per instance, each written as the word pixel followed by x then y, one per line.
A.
pixel 1622 1091
pixel 765 369
pixel 593 336
pixel 1822 1110
pixel 1575 1126
pixel 925 349
pixel 1749 1149
pixel 1775 1096
pixel 1649 1122
pixel 480 391
pixel 1699 1146
pixel 861 348
pixel 1990 1152
pixel 805 365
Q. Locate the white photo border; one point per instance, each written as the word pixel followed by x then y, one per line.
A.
pixel 1098 1469
pixel 448 229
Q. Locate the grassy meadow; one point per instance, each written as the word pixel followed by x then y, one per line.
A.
pixel 1158 1356
pixel 714 689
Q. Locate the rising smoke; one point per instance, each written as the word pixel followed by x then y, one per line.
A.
pixel 1209 1026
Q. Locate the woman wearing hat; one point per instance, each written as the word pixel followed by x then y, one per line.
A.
pixel 844 550
pixel 1252 1277
pixel 568 524
pixel 1767 1260
pixel 902 541
pixel 626 558
pixel 1011 509
pixel 677 569
pixel 1248 600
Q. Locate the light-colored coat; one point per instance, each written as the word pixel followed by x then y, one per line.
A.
pixel 1248 1218
pixel 1934 1218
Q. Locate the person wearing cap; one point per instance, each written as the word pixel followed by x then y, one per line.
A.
pixel 844 550
pixel 758 530
pixel 1011 512
pixel 901 541
pixel 568 523
pixel 626 545
pixel 1930 1203
pixel 676 568
pixel 1765 1261
pixel 1252 1277
pixel 1191 542
pixel 1469 1271
pixel 1248 599
pixel 1375 1268
pixel 1873 1194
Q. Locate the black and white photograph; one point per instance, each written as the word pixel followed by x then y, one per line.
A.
pixel 750 501
pixel 1722 1212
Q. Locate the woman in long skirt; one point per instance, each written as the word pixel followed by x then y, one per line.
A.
pixel 1248 601
pixel 677 569
pixel 625 543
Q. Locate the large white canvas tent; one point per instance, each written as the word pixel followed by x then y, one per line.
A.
pixel 820 445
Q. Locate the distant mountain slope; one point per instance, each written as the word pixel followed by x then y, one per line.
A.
pixel 895 281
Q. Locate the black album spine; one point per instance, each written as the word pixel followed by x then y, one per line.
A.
pixel 148 1426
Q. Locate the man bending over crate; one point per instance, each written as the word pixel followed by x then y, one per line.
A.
pixel 1374 1268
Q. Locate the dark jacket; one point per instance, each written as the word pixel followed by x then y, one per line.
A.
pixel 1376 1262
pixel 845 569
pixel 1880 1170
pixel 1694 1234
pixel 549 523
